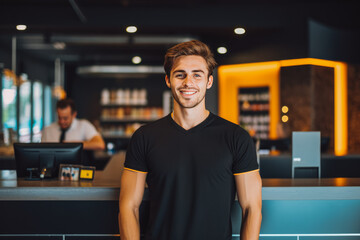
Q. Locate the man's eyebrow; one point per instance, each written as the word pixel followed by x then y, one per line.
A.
pixel 176 71
pixel 183 71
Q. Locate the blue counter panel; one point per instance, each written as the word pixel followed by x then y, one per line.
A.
pixel 307 217
pixel 329 238
pixel 276 238
pixel 270 237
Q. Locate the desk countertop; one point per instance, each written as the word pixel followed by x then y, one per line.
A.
pixel 108 190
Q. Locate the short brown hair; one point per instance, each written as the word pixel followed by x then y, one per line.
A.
pixel 193 47
pixel 64 103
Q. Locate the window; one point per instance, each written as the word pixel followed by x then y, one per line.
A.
pixel 24 120
pixel 37 111
pixel 9 94
pixel 25 112
pixel 48 106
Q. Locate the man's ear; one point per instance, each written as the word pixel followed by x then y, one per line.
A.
pixel 167 80
pixel 210 82
pixel 74 114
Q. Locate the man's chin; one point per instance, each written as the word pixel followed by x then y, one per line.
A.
pixel 188 105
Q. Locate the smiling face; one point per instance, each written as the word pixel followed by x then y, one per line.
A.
pixel 189 80
pixel 65 117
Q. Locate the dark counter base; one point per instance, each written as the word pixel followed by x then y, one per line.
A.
pixel 281 219
pixel 58 217
pixel 279 166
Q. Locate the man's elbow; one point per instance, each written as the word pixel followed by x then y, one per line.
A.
pixel 101 145
pixel 252 209
pixel 126 207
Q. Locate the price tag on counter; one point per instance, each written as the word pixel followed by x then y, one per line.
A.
pixel 87 173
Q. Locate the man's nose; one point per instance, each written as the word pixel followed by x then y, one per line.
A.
pixel 188 81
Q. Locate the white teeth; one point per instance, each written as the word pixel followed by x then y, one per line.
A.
pixel 188 93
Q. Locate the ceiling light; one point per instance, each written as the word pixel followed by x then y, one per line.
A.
pixel 131 29
pixel 239 31
pixel 136 60
pixel 59 45
pixel 222 50
pixel 21 27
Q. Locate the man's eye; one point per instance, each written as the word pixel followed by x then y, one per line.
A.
pixel 197 75
pixel 180 75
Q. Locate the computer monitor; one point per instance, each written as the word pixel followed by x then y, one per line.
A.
pixel 37 156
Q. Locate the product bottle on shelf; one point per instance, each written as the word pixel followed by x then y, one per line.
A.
pixel 120 96
pixel 127 97
pixel 105 96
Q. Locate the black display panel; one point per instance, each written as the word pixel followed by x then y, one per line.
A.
pixel 37 156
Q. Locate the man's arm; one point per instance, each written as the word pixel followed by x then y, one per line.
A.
pixel 131 195
pixel 248 186
pixel 95 143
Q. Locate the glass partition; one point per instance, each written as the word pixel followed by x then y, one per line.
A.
pixel 8 94
pixel 48 106
pixel 37 111
pixel 25 112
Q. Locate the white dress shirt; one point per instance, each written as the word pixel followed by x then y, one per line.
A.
pixel 80 130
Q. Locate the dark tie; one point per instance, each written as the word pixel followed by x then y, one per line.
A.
pixel 62 136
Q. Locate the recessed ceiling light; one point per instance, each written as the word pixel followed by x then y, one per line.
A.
pixel 136 60
pixel 131 29
pixel 222 50
pixel 239 31
pixel 21 27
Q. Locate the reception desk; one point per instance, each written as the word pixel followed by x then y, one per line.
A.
pixel 292 209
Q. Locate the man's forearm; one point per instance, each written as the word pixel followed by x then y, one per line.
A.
pixel 92 145
pixel 250 224
pixel 129 224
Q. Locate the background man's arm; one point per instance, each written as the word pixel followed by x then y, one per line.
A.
pixel 95 143
pixel 248 186
pixel 131 195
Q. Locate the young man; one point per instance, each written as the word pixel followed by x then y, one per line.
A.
pixel 70 129
pixel 193 162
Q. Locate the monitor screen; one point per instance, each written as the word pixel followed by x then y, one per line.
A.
pixel 38 156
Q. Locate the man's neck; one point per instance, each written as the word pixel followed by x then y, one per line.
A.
pixel 188 118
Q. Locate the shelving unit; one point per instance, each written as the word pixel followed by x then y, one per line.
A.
pixel 119 121
pixel 127 119
pixel 254 111
pixel 121 98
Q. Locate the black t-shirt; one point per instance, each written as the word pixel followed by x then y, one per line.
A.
pixel 191 175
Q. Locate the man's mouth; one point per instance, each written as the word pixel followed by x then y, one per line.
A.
pixel 188 92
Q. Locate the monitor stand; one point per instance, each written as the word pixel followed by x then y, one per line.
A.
pixel 31 178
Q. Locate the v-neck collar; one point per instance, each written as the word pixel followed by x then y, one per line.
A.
pixel 196 128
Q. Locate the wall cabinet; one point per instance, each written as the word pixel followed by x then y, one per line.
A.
pixel 254 110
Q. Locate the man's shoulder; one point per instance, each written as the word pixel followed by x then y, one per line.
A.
pixel 225 125
pixel 83 122
pixel 52 126
pixel 153 127
pixel 155 124
pixel 222 121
